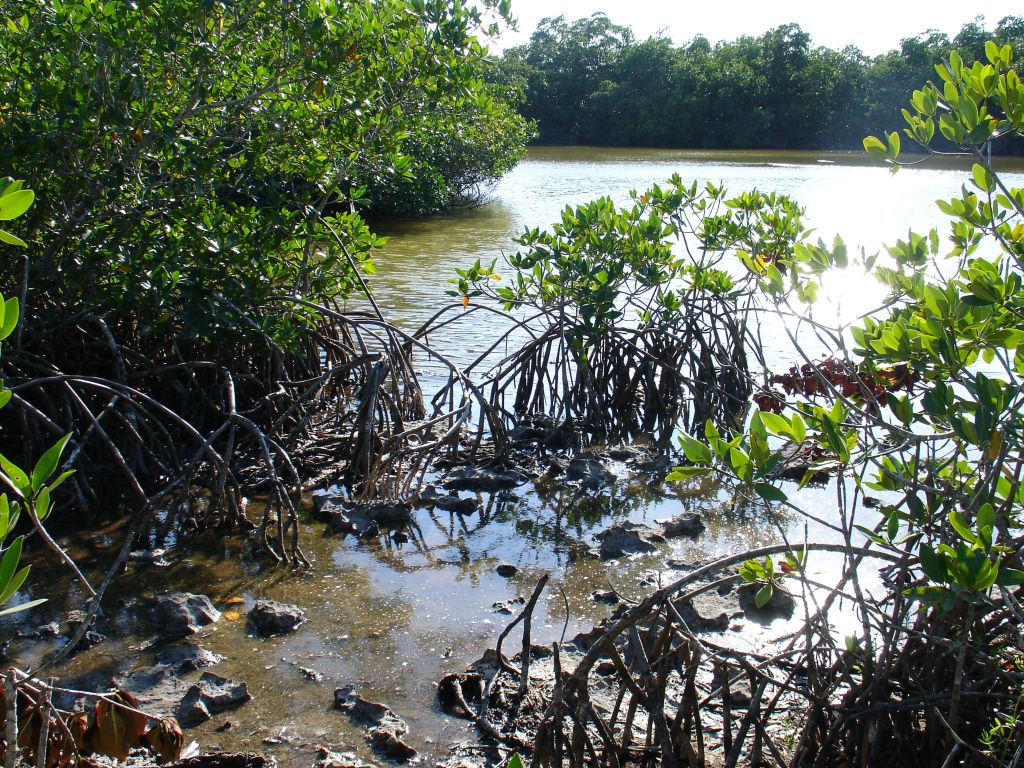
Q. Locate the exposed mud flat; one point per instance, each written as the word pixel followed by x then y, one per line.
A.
pixel 391 605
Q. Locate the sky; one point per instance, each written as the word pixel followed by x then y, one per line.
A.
pixel 874 26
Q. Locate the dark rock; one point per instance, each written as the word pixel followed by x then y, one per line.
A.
pixel 628 539
pixel 345 516
pixel 387 514
pixel 187 657
pixel 338 522
pixel 210 695
pixel 74 620
pixel 482 479
pixel 709 611
pixel 428 493
pixel 269 617
pixel 591 470
pixel 781 605
pixel 454 503
pixel 542 430
pixel 797 461
pixel 385 726
pixel 400 538
pixel 686 524
pixel 581 552
pixel 388 742
pixel 371 531
pixel 367 712
pixel 182 613
pixel 625 452
pixel 654 464
pixel 506 570
pixel 739 689
pixel 585 640
pixel 606 597
pixel 556 467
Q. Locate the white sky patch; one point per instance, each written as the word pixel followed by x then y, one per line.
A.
pixel 874 26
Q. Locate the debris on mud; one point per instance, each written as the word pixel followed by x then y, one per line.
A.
pixel 384 727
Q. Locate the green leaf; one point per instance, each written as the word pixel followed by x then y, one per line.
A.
pixel 60 479
pixel 22 606
pixel 9 318
pixel 685 473
pixel 874 147
pixel 1010 577
pixel 14 476
pixel 892 527
pixel 983 179
pixel 894 145
pixel 992 52
pixel 14 584
pixel 13 204
pixel 42 504
pixel 799 428
pixel 769 492
pixel 8 565
pixel 932 565
pixel 515 761
pixel 834 439
pixel 48 463
pixel 776 424
pixel 764 595
pixel 959 523
pixel 7 237
pixel 695 450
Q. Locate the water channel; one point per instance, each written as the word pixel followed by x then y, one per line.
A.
pixel 391 618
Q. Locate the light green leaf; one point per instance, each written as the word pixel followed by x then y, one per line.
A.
pixel 13 204
pixel 22 606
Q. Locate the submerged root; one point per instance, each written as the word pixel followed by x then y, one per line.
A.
pixel 624 383
pixel 195 438
pixel 651 686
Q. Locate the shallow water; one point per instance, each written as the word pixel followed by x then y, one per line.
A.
pixel 392 619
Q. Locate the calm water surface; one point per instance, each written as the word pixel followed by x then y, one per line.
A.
pixel 392 619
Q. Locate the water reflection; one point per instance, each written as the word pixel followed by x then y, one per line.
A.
pixel 393 617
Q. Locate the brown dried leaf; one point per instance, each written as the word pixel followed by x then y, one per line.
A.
pixel 79 724
pixel 117 729
pixel 165 739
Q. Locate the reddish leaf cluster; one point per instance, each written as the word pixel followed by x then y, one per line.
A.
pixel 112 729
pixel 810 380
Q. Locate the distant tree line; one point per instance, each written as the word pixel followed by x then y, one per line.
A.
pixel 590 81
